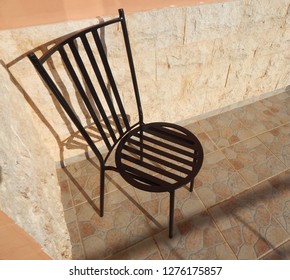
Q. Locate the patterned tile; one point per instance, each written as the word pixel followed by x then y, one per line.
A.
pixel 123 224
pixel 81 182
pixel 194 127
pixel 253 160
pixel 257 117
pixel 218 180
pixel 278 141
pixel 248 227
pixel 195 238
pixel 156 205
pixel 279 105
pixel 72 226
pixel 275 195
pixel 144 250
pixel 253 221
pixel 280 253
pixel 86 188
pixel 207 144
pixel 82 168
pixel 225 129
pixel 66 197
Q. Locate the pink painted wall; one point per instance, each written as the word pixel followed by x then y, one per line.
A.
pixel 20 13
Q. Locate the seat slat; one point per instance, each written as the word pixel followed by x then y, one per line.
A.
pixel 156 159
pixel 168 146
pixel 141 174
pixel 171 136
pixel 151 167
pixel 162 152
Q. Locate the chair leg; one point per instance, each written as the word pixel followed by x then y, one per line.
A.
pixel 102 191
pixel 171 213
pixel 141 144
pixel 191 185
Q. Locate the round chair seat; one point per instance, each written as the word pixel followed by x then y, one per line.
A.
pixel 159 157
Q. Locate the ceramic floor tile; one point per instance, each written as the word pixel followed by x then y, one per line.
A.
pixel 79 168
pixel 75 238
pixel 225 129
pixel 256 117
pixel 261 171
pixel 278 141
pixel 66 197
pixel 156 205
pixel 217 180
pixel 275 195
pixel 279 105
pixel 254 161
pixel 87 187
pixel 144 250
pixel 84 188
pixel 254 221
pixel 280 253
pixel 207 144
pixel 247 225
pixel 123 224
pixel 195 238
pixel 194 127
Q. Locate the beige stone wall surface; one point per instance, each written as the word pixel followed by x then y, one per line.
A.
pixel 29 190
pixel 189 61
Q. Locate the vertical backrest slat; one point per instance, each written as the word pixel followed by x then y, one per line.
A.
pixel 89 83
pixel 49 82
pixel 131 63
pixel 83 94
pixel 101 82
pixel 110 76
pixel 88 69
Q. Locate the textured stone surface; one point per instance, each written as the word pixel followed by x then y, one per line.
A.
pixel 193 60
pixel 30 193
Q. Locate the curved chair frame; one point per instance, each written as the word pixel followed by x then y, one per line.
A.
pixel 154 157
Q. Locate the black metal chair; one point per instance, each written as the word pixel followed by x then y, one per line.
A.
pixel 154 157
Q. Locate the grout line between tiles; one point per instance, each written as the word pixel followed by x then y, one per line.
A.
pixel 159 250
pixel 218 149
pixel 214 222
pixel 246 190
pixel 274 249
pixel 245 139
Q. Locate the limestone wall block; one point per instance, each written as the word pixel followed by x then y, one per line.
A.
pixel 30 193
pixel 212 21
pixel 182 60
pixel 264 14
pixel 157 28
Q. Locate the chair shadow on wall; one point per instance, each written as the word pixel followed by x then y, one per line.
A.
pixel 75 139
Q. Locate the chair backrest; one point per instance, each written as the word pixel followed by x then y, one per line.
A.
pixel 85 62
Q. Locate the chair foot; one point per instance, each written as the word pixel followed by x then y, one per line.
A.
pixel 191 185
pixel 171 213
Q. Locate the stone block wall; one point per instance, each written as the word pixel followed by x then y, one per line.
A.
pixel 190 61
pixel 29 190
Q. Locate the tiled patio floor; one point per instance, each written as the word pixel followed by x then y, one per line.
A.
pixel 240 208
